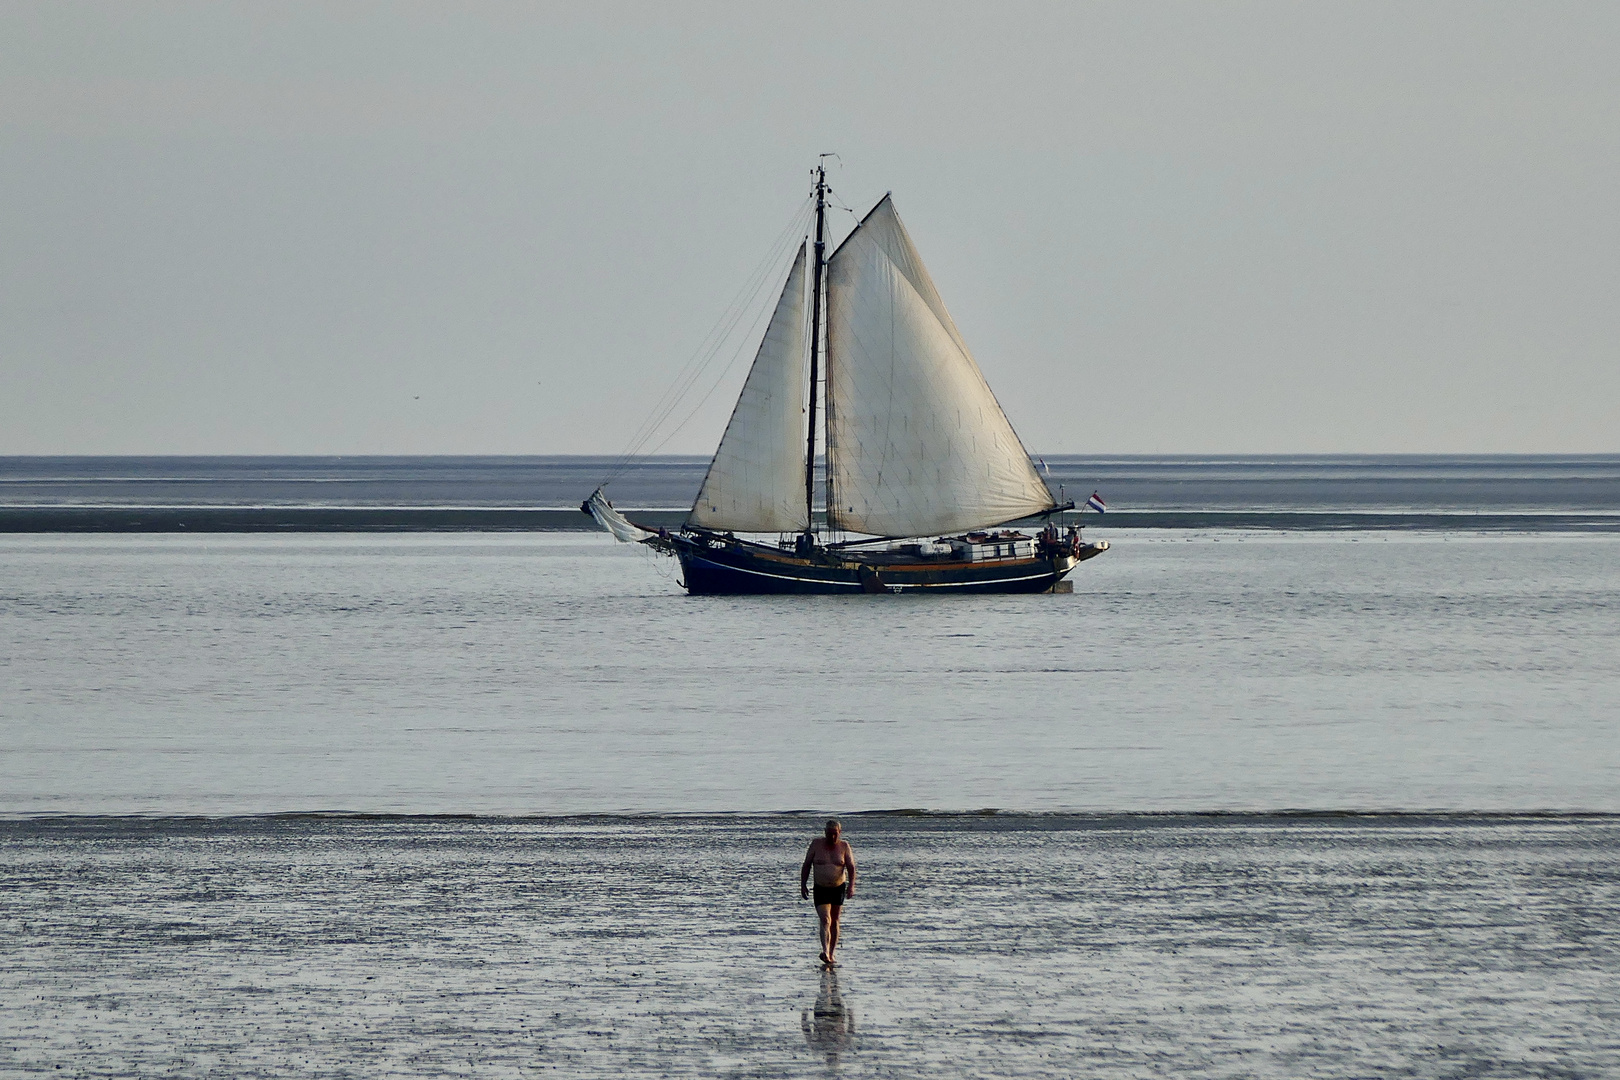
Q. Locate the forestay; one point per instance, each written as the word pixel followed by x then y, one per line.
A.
pixel 917 442
pixel 756 481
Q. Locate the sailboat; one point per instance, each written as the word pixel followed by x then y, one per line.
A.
pixel 923 471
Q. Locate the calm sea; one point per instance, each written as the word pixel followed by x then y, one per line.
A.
pixel 1458 658
pixel 563 673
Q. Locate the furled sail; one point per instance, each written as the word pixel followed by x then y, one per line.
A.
pixel 917 442
pixel 623 529
pixel 756 481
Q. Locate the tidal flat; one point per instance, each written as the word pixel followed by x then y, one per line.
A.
pixel 1236 945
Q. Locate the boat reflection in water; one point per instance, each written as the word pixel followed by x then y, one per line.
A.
pixel 862 367
pixel 830 1027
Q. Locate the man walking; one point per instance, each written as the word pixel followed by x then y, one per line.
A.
pixel 834 865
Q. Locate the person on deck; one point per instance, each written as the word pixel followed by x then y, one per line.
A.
pixel 833 861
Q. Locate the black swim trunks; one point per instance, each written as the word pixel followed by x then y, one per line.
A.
pixel 831 894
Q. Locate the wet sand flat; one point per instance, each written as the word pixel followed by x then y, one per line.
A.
pixel 1240 945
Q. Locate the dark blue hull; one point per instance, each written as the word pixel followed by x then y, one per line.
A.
pixel 712 566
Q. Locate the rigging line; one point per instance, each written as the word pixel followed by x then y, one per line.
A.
pixel 684 388
pixel 765 314
pixel 710 346
pixel 839 205
pixel 700 359
pixel 707 350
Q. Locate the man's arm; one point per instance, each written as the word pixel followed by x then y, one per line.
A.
pixel 804 872
pixel 849 864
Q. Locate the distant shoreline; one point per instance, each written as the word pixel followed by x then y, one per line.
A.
pixel 1508 494
pixel 364 519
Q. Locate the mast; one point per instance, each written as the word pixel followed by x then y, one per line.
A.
pixel 815 352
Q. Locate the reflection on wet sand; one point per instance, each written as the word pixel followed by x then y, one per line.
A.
pixel 830 1027
pixel 1027 947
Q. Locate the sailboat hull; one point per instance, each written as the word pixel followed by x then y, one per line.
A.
pixel 915 445
pixel 713 568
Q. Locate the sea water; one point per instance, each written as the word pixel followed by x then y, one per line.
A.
pixel 1119 915
pixel 564 673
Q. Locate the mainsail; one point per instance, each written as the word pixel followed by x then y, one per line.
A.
pixel 756 481
pixel 916 441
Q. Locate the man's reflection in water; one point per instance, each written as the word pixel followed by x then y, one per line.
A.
pixel 830 1028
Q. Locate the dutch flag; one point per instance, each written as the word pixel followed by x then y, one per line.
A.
pixel 1097 504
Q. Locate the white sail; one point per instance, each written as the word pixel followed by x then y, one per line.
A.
pixel 756 481
pixel 623 530
pixel 917 442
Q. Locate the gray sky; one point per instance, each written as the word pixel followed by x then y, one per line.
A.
pixel 470 228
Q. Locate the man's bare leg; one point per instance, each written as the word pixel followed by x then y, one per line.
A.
pixel 832 933
pixel 827 914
